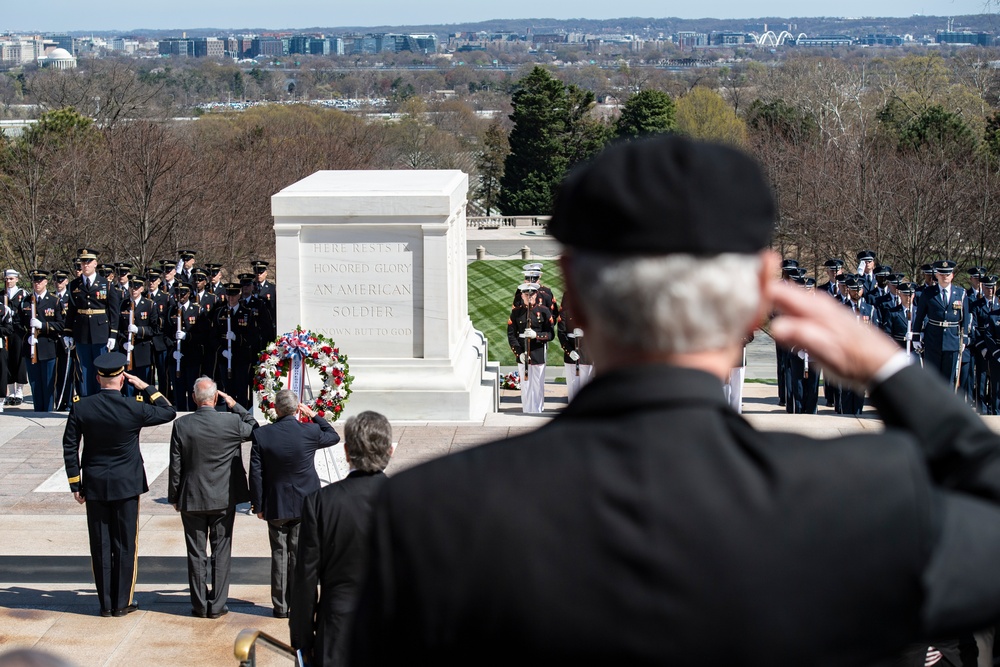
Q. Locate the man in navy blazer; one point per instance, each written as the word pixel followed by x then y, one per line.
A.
pixel 282 473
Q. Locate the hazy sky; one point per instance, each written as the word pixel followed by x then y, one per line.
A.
pixel 124 15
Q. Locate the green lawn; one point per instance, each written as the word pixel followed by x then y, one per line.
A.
pixel 491 292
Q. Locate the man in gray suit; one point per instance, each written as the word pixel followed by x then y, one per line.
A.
pixel 207 481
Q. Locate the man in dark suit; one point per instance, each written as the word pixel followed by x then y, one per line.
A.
pixel 110 478
pixel 282 473
pixel 333 545
pixel 648 523
pixel 207 482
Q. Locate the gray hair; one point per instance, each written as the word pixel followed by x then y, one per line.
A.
pixel 286 402
pixel 205 389
pixel 368 441
pixel 671 304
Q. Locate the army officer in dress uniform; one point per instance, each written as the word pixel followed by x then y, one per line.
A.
pixel 91 319
pixel 110 478
pixel 42 319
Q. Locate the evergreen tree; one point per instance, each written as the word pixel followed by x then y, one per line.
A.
pixel 489 163
pixel 646 112
pixel 536 161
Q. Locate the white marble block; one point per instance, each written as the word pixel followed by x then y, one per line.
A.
pixel 376 261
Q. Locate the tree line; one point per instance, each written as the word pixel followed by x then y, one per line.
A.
pixel 894 153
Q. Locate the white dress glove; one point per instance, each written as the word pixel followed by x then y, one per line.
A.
pixel 181 335
pixel 530 333
pixel 68 341
pixel 908 336
pixel 801 354
pixel 917 345
pixel 231 335
pixel 111 344
pixel 226 354
pixel 128 347
pixel 133 328
pixel 861 268
pixel 578 332
pixel 32 340
pixel 574 355
pixel 35 323
pixel 521 357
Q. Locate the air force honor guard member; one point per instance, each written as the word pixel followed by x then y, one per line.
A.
pixel 91 319
pixel 946 311
pixel 110 478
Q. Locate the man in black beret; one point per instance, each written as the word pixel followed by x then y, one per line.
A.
pixel 110 477
pixel 648 523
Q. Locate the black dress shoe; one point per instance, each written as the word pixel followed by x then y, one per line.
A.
pixel 118 613
pixel 198 614
pixel 106 613
pixel 220 613
pixel 280 614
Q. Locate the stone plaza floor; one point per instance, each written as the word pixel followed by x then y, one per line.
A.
pixel 46 592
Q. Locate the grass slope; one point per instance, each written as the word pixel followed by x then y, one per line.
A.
pixel 491 292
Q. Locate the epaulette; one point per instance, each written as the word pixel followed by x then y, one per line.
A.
pixel 138 397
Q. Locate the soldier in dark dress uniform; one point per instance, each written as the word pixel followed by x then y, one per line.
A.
pixel 943 320
pixel 789 269
pixel 215 284
pixel 260 295
pixel 238 325
pixel 985 313
pixel 189 345
pixel 207 302
pixel 17 370
pixel 802 372
pixel 64 359
pixel 266 293
pixel 834 267
pixel 110 478
pixel 852 402
pixel 123 270
pixel 162 301
pixel 897 318
pixel 91 319
pixel 138 327
pixel 866 270
pixel 185 268
pixel 41 317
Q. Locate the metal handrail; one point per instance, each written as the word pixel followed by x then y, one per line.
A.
pixel 245 647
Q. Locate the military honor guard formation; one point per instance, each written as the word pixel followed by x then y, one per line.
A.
pixel 174 323
pixel 951 329
pixel 536 318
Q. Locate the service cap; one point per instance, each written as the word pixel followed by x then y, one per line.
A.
pixel 988 280
pixel 906 288
pixel 866 256
pixel 110 364
pixel 833 263
pixel 11 273
pixel 136 283
pixel 188 254
pixel 944 266
pixel 233 289
pixel 38 274
pixel 86 253
pixel 528 287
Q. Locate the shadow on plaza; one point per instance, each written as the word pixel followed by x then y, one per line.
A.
pixel 24 603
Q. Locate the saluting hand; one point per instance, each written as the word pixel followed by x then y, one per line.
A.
pixel 306 411
pixel 230 401
pixel 136 382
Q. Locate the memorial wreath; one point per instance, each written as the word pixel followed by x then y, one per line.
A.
pixel 511 381
pixel 284 364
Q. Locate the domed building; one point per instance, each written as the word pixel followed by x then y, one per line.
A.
pixel 58 59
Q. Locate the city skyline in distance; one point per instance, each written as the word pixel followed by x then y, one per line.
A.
pixel 117 15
